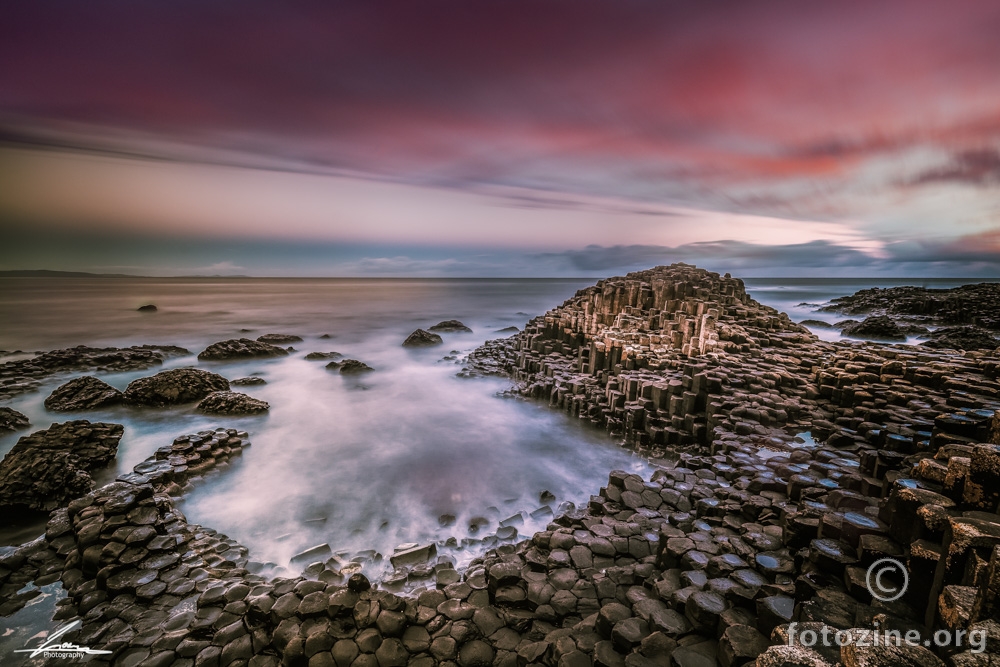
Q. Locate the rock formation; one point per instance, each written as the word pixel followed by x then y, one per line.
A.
pixel 48 468
pixel 248 381
pixel 968 337
pixel 351 366
pixel 421 338
pixel 878 327
pixel 232 403
pixel 148 308
pixel 83 393
pixel 279 339
pixel 968 304
pixel 174 387
pixel 12 420
pixel 241 348
pixel 322 356
pixel 451 326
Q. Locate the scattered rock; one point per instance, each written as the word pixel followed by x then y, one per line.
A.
pixel 148 308
pixel 511 330
pixel 232 403
pixel 450 326
pixel 174 387
pixel 12 420
pixel 351 366
pixel 321 356
pixel 248 381
pixel 421 338
pixel 878 327
pixel 816 324
pixel 83 393
pixel 242 348
pixel 51 467
pixel 279 339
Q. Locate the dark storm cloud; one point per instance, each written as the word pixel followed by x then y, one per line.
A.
pixel 974 167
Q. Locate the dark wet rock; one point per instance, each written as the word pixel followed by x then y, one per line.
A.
pixel 816 324
pixel 351 366
pixel 739 644
pixel 968 304
pixel 421 338
pixel 12 420
pixel 279 339
pixel 83 393
pixel 174 387
pixel 511 330
pixel 148 308
pixel 51 467
pixel 962 338
pixel 878 327
pixel 248 381
pixel 232 403
pixel 450 326
pixel 322 356
pixel 240 348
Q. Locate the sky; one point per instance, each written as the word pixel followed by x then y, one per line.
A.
pixel 550 138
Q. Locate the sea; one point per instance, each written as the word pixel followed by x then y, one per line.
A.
pixel 364 464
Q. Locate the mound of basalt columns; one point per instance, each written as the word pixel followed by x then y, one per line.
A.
pixel 12 420
pixel 232 403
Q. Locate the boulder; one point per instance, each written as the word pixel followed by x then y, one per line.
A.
pixel 279 339
pixel 450 326
pixel 232 403
pixel 148 308
pixel 83 393
pixel 879 327
pixel 240 348
pixel 173 387
pixel 12 420
pixel 248 381
pixel 421 338
pixel 322 356
pixel 48 468
pixel 351 366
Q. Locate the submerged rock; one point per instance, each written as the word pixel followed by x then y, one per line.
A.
pixel 83 393
pixel 962 338
pixel 173 387
pixel 510 330
pixel 320 356
pixel 817 324
pixel 232 403
pixel 351 366
pixel 51 467
pixel 240 348
pixel 421 338
pixel 275 339
pixel 248 381
pixel 12 420
pixel 148 308
pixel 450 326
pixel 879 327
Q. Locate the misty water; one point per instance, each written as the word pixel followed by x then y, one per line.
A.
pixel 360 463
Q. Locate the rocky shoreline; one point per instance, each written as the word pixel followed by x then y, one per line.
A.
pixel 786 466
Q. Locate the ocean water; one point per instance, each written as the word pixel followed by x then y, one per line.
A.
pixel 360 463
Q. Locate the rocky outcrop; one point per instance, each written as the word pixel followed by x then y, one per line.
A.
pixel 350 366
pixel 322 356
pixel 451 326
pixel 962 338
pixel 421 338
pixel 12 420
pixel 232 403
pixel 83 393
pixel 174 387
pixel 279 339
pixel 48 468
pixel 23 375
pixel 240 348
pixel 968 304
pixel 248 381
pixel 878 327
